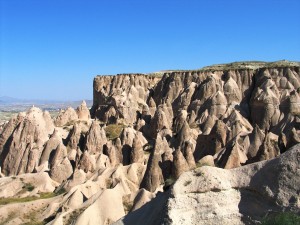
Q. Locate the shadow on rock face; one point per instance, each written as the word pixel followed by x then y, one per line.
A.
pixel 152 213
pixel 273 189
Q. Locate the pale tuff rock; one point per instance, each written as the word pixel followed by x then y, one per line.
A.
pixel 232 156
pixel 208 124
pixel 83 112
pixel 226 116
pixel 168 88
pixel 183 136
pixel 66 117
pixel 162 119
pixel 140 124
pixel 125 94
pixel 13 187
pixel 118 146
pixel 265 105
pixel 210 195
pixel 152 106
pixel 294 106
pixel 87 163
pixel 289 140
pixel 226 196
pixel 167 156
pixel 103 198
pixel 128 137
pixel 206 161
pixel 238 124
pixel 207 88
pixel 270 148
pixel 153 177
pixel 179 165
pixel 231 90
pixel 114 154
pixel 218 104
pixel 26 143
pixel 8 129
pixel 50 146
pixel 143 196
pixel 78 177
pixel 74 137
pixel 220 130
pixel 95 138
pixel 256 140
pixel 182 102
pixel 188 151
pixel 60 166
pixel 105 210
pixel 137 153
pixel 180 121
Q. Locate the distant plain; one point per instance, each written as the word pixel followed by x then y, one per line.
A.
pixel 10 107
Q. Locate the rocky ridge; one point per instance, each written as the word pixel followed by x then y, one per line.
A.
pixel 145 130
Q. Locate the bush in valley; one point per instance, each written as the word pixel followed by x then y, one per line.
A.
pixel 286 218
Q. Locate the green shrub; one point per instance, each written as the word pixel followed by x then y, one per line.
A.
pixel 59 191
pixel 113 131
pixel 283 218
pixel 169 182
pixel 198 164
pixel 28 187
pixel 44 195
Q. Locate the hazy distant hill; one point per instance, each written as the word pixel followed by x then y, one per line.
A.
pixel 7 100
pixel 8 104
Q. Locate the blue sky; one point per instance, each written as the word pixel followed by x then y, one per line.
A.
pixel 52 49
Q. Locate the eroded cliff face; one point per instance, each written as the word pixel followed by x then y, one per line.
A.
pixel 144 131
pixel 238 114
pixel 121 97
pixel 244 195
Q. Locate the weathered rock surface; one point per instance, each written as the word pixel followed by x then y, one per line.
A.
pixel 145 131
pixel 66 117
pixel 21 153
pixel 244 195
pixel 153 176
pixel 83 112
pixel 118 98
pixel 222 104
pixel 95 139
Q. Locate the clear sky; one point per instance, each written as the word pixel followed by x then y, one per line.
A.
pixel 52 49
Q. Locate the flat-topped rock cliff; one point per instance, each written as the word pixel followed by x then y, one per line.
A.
pixel 223 106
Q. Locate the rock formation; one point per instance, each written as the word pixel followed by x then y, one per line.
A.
pixel 244 195
pixel 83 112
pixel 66 117
pixel 145 131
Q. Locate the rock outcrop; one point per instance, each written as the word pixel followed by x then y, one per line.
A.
pixel 21 153
pixel 244 195
pixel 83 112
pixel 66 117
pixel 145 131
pixel 222 104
